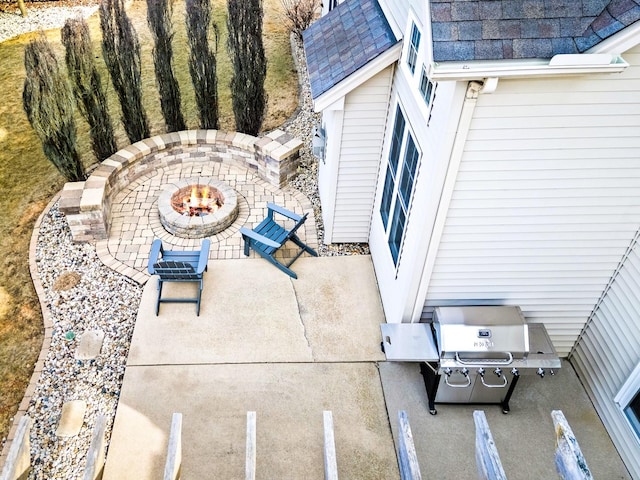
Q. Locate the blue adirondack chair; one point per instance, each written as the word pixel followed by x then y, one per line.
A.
pixel 268 236
pixel 178 266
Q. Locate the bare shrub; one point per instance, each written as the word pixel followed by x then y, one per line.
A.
pixel 298 14
pixel 202 61
pixel 87 86
pixel 159 18
pixel 49 105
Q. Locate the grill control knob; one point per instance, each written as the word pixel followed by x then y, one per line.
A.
pixel 515 372
pixel 498 372
pixel 551 371
pixel 447 371
pixel 540 372
pixel 465 371
pixel 481 372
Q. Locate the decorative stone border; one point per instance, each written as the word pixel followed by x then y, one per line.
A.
pixel 87 205
pixel 197 226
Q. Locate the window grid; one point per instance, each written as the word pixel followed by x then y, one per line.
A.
pixel 398 185
pixel 414 46
pixel 426 87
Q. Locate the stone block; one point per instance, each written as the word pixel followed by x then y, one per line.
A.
pixel 89 345
pixel 275 134
pixel 91 199
pixel 211 136
pixel 72 418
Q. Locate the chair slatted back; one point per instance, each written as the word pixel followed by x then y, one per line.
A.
pixel 171 270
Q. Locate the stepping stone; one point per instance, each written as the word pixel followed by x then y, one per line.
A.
pixel 72 418
pixel 90 345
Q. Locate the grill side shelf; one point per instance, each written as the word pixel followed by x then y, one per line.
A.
pixel 409 342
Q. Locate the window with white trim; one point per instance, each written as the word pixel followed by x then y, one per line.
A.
pixel 398 184
pixel 427 87
pixel 414 46
pixel 628 400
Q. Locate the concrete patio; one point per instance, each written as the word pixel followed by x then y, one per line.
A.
pixel 289 349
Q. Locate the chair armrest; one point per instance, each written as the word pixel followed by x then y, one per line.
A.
pixel 204 256
pixel 259 238
pixel 283 211
pixel 154 255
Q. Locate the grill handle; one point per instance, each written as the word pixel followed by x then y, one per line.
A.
pixel 506 361
pixel 457 385
pixel 497 385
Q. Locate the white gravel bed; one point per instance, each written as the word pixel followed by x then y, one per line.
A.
pixel 12 23
pixel 101 300
pixel 107 301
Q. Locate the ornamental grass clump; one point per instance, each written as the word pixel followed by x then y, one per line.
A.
pixel 49 105
pixel 87 86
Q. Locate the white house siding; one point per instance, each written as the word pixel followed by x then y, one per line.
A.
pixel 398 286
pixel 609 350
pixel 399 11
pixel 546 200
pixel 361 136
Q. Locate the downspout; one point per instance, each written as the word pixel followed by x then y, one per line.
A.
pixel 466 115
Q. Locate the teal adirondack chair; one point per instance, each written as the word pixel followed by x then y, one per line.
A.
pixel 268 236
pixel 178 266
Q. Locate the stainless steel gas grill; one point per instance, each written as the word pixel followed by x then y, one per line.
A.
pixel 472 354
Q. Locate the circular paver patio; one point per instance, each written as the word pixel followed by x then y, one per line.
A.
pixel 135 221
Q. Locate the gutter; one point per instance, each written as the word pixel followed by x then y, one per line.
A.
pixel 559 65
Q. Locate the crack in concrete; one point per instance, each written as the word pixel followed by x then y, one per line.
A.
pixel 300 316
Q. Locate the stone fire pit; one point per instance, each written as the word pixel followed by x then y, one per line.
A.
pixel 197 207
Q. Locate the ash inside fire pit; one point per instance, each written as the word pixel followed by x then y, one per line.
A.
pixel 197 207
pixel 198 200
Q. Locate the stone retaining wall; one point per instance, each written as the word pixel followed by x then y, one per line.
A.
pixel 87 205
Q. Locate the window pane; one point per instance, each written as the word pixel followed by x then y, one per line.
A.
pixel 415 37
pixel 387 195
pixel 408 172
pixel 396 141
pixel 426 86
pixel 633 413
pixel 414 46
pixel 397 230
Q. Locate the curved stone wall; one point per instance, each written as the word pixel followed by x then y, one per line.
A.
pixel 87 205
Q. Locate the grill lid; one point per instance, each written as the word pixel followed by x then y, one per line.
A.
pixel 481 332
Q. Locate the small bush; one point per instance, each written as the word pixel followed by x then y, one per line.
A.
pixel 298 14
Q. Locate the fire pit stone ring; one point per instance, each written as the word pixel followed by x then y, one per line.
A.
pixel 197 222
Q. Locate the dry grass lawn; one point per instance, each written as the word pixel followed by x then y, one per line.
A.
pixel 28 181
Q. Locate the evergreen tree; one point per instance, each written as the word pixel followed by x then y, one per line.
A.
pixel 48 102
pixel 246 51
pixel 87 86
pixel 202 61
pixel 159 18
pixel 121 51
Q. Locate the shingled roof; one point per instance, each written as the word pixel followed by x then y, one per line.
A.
pixel 343 41
pixel 518 29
